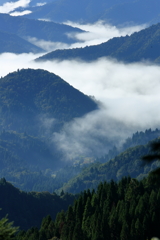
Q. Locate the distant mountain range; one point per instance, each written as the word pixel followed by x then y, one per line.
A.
pixel 143 45
pixel 28 29
pixel 14 44
pixel 116 12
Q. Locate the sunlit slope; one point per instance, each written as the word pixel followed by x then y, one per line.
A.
pixel 143 45
pixel 28 96
pixel 127 163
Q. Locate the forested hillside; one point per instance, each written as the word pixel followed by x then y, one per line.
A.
pixel 55 181
pixel 125 210
pixel 33 105
pixel 143 45
pixel 28 95
pixel 117 165
pixel 34 164
pixel 28 209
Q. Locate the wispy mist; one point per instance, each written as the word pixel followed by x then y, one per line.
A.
pixel 128 95
pixel 16 13
pixel 96 33
pixel 100 32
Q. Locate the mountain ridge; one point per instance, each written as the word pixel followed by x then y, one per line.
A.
pixel 114 12
pixel 142 45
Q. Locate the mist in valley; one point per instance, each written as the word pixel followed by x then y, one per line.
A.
pixel 127 94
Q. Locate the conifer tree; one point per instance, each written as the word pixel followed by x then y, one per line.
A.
pixel 7 230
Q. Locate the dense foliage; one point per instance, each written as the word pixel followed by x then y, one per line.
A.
pixel 127 163
pixel 7 230
pixel 30 98
pixel 126 210
pixel 139 46
pixel 32 164
pixel 28 209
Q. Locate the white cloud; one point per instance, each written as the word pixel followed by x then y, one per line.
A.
pixel 100 32
pixel 16 13
pixel 44 19
pixel 11 6
pixel 47 45
pixel 95 34
pixel 40 4
pixel 129 93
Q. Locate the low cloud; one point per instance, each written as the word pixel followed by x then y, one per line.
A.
pixel 95 34
pixel 11 6
pixel 47 45
pixel 40 4
pixel 16 13
pixel 100 32
pixel 128 95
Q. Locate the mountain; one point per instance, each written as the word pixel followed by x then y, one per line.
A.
pixel 30 97
pixel 14 44
pixel 125 210
pixel 143 45
pixel 28 209
pixel 126 163
pixel 33 105
pixel 13 157
pixel 47 31
pixel 116 12
pixel 32 163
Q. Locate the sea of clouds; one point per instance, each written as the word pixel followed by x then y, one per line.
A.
pixel 128 94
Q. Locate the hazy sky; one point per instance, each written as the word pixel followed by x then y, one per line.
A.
pixel 129 94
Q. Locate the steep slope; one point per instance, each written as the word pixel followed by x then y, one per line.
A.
pixel 13 157
pixel 28 209
pixel 116 12
pixel 13 43
pixel 143 45
pixel 29 97
pixel 125 210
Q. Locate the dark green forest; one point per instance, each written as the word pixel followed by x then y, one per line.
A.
pixel 27 209
pixel 127 163
pixel 45 192
pixel 27 96
pixel 33 105
pixel 143 45
pixel 33 164
pixel 129 209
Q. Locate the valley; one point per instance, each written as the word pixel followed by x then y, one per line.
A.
pixel 79 100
